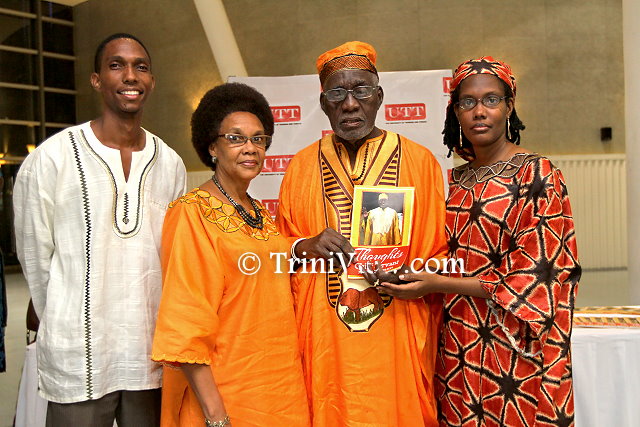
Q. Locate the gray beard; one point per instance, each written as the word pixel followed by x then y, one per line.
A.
pixel 355 135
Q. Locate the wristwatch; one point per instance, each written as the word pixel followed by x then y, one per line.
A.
pixel 225 422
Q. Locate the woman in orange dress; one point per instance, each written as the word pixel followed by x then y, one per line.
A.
pixel 226 330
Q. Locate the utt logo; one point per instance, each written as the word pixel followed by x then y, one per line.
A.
pixel 276 164
pixel 446 84
pixel 289 113
pixel 271 205
pixel 397 112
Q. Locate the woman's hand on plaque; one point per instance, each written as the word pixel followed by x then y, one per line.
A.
pixel 414 285
pixel 375 275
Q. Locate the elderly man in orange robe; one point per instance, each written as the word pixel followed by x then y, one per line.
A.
pixel 368 358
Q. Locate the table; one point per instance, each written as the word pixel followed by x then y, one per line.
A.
pixel 606 376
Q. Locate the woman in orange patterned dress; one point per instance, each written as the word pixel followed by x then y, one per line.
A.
pixel 226 330
pixel 504 357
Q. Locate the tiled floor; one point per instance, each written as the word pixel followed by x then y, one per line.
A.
pixel 596 288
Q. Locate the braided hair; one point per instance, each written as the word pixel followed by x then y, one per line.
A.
pixel 455 140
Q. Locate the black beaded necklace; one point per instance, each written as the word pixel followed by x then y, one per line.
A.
pixel 364 163
pixel 251 221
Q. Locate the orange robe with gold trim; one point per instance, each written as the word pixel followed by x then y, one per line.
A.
pixel 242 325
pixel 382 376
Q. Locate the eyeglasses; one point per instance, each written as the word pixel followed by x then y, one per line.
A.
pixel 235 140
pixel 358 92
pixel 489 101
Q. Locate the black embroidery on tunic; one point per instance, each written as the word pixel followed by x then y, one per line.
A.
pixel 125 218
pixel 147 168
pixel 87 274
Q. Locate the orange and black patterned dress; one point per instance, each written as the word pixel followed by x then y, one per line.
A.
pixel 506 360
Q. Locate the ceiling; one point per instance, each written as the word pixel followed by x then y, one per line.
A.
pixel 68 2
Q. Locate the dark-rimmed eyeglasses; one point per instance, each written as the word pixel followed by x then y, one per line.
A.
pixel 489 101
pixel 235 140
pixel 358 92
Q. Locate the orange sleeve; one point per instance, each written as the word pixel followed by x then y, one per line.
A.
pixel 284 217
pixel 193 285
pixel 428 238
pixel 440 246
pixel 300 208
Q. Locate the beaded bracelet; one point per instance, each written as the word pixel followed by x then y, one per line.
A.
pixel 225 422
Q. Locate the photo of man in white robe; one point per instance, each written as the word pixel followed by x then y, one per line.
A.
pixel 383 225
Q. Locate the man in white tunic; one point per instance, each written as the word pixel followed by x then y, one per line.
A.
pixel 89 207
pixel 382 228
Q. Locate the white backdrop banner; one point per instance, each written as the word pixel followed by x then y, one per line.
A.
pixel 414 106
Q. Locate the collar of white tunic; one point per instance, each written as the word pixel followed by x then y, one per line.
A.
pixel 128 195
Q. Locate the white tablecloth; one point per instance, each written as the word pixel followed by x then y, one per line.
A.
pixel 606 376
pixel 32 409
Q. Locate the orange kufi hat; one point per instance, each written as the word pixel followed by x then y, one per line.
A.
pixel 349 56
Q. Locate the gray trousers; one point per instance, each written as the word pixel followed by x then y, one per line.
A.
pixel 128 408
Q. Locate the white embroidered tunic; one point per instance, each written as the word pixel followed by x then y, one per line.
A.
pixel 88 241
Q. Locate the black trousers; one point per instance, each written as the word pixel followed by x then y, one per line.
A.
pixel 128 408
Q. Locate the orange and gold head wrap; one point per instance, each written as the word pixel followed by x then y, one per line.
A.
pixel 349 56
pixel 484 65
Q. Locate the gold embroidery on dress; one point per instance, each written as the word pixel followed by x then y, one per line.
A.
pixel 225 216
